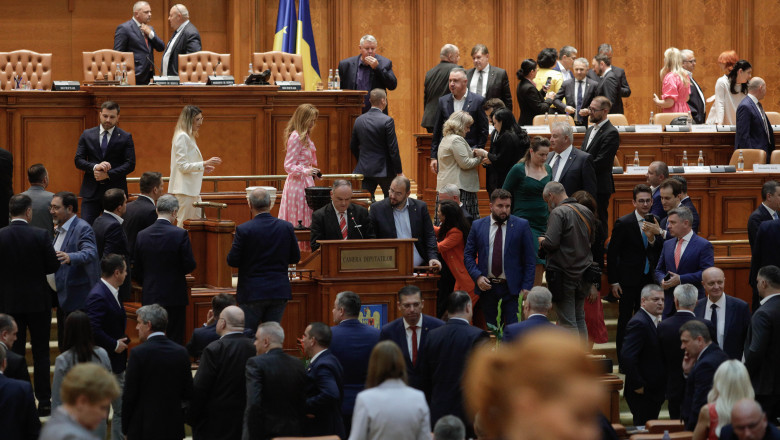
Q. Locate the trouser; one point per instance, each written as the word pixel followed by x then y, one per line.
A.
pixel 39 325
pixel 446 285
pixel 91 209
pixel 261 311
pixel 370 184
pixel 569 300
pixel 177 323
pixel 642 406
pixel 186 210
pixel 116 406
pixel 628 304
pixel 488 299
pixel 771 406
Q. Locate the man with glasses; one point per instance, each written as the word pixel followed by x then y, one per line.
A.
pixel 696 99
pixel 601 142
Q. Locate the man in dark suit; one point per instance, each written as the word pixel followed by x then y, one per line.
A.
pixel 41 199
pixel 219 386
pixel 341 219
pixel 609 83
pixel 110 238
pixel 536 306
pixel 767 210
pixel 487 80
pixel 163 258
pixel 749 421
pixel 501 270
pixel 6 184
pixel 325 384
pixel 446 351
pixel 205 335
pixel 158 381
pixel 764 251
pixel 696 100
pixel 578 93
pixel 142 212
pixel 138 37
pixel 686 201
pixel 16 367
pixel 631 256
pixel 106 155
pixel 185 39
pixel 375 146
pixel 670 191
pixel 643 358
pixel 572 167
pixel 367 71
pixel 410 332
pixel 657 172
pixel 276 387
pixel 565 63
pixel 262 250
pixel 470 103
pixel 601 142
pixel 702 358
pixel 451 191
pixel 683 258
pixel 17 406
pixel 625 90
pixel 762 358
pixel 729 315
pixel 399 216
pixel 436 84
pixel 108 320
pixel 753 128
pixel 352 342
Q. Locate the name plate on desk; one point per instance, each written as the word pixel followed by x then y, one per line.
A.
pixel 537 129
pixel 646 128
pixel 636 170
pixel 704 128
pixel 678 128
pixel 166 80
pixel 367 259
pixel 220 80
pixel 70 86
pixel 626 128
pixel 775 128
pixel 766 168
pixel 696 169
pixel 727 128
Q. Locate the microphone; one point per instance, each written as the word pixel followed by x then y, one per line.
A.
pixel 154 68
pixel 214 68
pixel 357 226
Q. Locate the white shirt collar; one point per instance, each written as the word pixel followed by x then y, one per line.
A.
pixel 182 26
pixel 753 98
pixel 686 311
pixel 565 154
pixel 639 218
pixel 345 211
pixel 493 221
pixel 767 298
pixel 230 333
pixel 154 334
pixel 721 303
pixel 462 319
pixel 419 323
pixel 486 70
pixel 771 211
pixel 163 218
pixel 118 218
pixel 609 69
pixel 137 24
pixel 463 99
pixel 687 237
pixel 314 358
pixel 114 291
pixel 110 131
pixel 598 126
pixel 535 314
pixel 18 220
pixel 652 317
pixel 65 226
pixel 703 350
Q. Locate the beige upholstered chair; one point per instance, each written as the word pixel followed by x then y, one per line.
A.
pixel 553 118
pixel 775 157
pixel 617 119
pixel 773 117
pixel 284 66
pixel 197 66
pixel 104 61
pixel 750 156
pixel 666 118
pixel 32 66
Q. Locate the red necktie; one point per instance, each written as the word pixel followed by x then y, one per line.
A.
pixel 343 225
pixel 414 344
pixel 677 253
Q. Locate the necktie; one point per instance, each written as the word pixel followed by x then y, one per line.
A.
pixel 343 225
pixel 774 215
pixel 146 39
pixel 678 253
pixel 480 85
pixel 763 117
pixel 580 85
pixel 556 161
pixel 104 143
pixel 714 317
pixel 644 240
pixel 497 265
pixel 414 344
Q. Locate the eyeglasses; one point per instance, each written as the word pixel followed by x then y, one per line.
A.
pixel 594 110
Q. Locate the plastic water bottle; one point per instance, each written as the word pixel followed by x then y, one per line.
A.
pixel 741 162
pixel 652 118
pixel 685 158
pixel 118 73
pixel 636 158
pixel 666 436
pixel 700 162
pixel 124 75
pixel 330 79
pixel 336 80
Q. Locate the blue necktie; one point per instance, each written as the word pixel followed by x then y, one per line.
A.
pixel 644 240
pixel 104 143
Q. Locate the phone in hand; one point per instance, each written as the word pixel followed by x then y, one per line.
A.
pixel 668 276
pixel 650 218
pixel 549 81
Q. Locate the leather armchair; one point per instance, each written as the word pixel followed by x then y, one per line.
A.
pixel 284 66
pixel 104 61
pixel 33 66
pixel 197 66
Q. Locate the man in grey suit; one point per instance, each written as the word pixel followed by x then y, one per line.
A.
pixel 578 92
pixel 41 199
pixel 375 146
pixel 436 84
pixel 487 80
pixel 762 358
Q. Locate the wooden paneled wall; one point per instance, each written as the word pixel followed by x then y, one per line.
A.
pixel 411 32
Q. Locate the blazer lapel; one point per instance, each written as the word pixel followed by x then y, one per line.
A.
pixel 390 220
pixel 413 225
pixel 568 163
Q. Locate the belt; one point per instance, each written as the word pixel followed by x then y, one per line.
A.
pixel 497 280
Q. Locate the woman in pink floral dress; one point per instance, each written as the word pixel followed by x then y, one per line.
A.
pixel 300 163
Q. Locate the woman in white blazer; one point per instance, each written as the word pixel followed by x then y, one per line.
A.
pixel 187 164
pixel 378 413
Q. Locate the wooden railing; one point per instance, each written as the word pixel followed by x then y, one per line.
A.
pixel 248 179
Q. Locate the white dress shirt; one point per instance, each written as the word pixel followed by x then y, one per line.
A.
pixel 408 329
pixel 151 34
pixel 767 298
pixel 562 161
pixel 58 242
pixel 655 319
pixel 593 132
pixel 686 239
pixel 721 303
pixel 167 54
pixel 475 80
pixel 458 104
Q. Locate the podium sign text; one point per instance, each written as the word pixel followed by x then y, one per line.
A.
pixel 367 259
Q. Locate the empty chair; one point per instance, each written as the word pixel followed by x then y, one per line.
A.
pixel 773 117
pixel 617 119
pixel 666 118
pixel 104 61
pixel 750 156
pixel 32 66
pixel 775 158
pixel 552 118
pixel 284 66
pixel 198 66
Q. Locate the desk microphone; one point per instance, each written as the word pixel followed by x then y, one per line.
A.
pixel 357 226
pixel 154 68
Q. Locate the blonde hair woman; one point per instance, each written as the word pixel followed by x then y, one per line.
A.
pixel 187 164
pixel 458 162
pixel 676 85
pixel 730 384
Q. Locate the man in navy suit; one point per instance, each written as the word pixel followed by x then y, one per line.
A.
pixel 643 359
pixel 163 259
pixel 138 37
pixel 446 351
pixel 702 358
pixel 696 100
pixel 762 358
pixel 765 253
pixel 142 212
pixel 203 336
pixel 459 98
pixel 351 344
pixel 110 238
pixel 753 128
pixel 185 39
pixel 536 306
pixel 578 92
pixel 729 315
pixel 572 167
pixel 17 406
pixel 262 250
pixel 505 248
pixel 686 201
pixel 683 258
pixel 601 142
pixel 325 384
pixel 767 210
pixel 158 381
pixel 341 219
pixel 657 172
pixel 16 367
pixel 375 146
pixel 108 320
pixel 106 155
pixel 487 80
pixel 367 71
pixel 410 332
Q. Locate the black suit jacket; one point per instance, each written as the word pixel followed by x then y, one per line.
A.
pixel 625 90
pixel 325 225
pixel 610 87
pixel 627 254
pixel 603 149
pixel 578 172
pixel 158 383
pixel 383 224
pixel 505 151
pixel 760 215
pixel 324 396
pixel 642 357
pixel 568 92
pixel 696 103
pixel 765 247
pixel 27 257
pixel 375 146
pixel 6 183
pixel 18 416
pixel 699 383
pixel 276 387
pixel 436 86
pixel 111 239
pixel 532 102
pixel 163 259
pixel 351 344
pixel 689 204
pixel 751 131
pixel 140 214
pixel 762 358
pixel 497 85
pixel 476 137
pixel 16 366
pixel 380 78
pixel 736 325
pixel 129 38
pixel 201 338
pixel 219 389
pixel 120 153
pixel 771 433
pixel 108 321
pixel 188 42
pixel 396 332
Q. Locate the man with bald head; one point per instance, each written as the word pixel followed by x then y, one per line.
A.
pixel 436 84
pixel 137 36
pixel 185 39
pixel 749 422
pixel 753 127
pixel 729 315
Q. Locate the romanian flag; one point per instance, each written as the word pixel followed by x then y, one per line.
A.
pixel 305 48
pixel 286 27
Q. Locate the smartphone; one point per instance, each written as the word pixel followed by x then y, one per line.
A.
pixel 549 81
pixel 668 276
pixel 650 218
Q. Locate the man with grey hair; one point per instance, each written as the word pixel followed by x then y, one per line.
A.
pixel 219 387
pixel 565 62
pixel 158 381
pixel 487 80
pixel 262 250
pixel 340 219
pixel 701 359
pixel 367 71
pixel 449 428
pixel 137 36
pixel 753 128
pixel 572 167
pixel 435 85
pixel 185 39
pixel 696 99
pixel 578 92
pixel 536 306
pixel 163 258
pixel 451 191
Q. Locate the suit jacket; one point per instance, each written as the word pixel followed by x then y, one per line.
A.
pixel 765 248
pixel 325 225
pixel 111 239
pixel 446 351
pixel 140 214
pixel 657 209
pixel 262 249
pixel 6 183
pixel 696 102
pixel 188 42
pixel 324 396
pixel 75 280
pixel 41 200
pixel 16 367
pixel 603 149
pixel 201 338
pixel 27 257
pixel 476 137
pixel 129 38
pixel 568 91
pixel 532 102
pixel 505 150
pixel 497 84
pixel 380 78
pixel 762 358
pixel 186 166
pixel 396 331
pixel 625 90
pixel 698 256
pixel 514 332
pixel 642 357
pixel 219 389
pixel 378 414
pixel 760 215
pixel 108 321
pixel 751 131
pixel 627 254
pixel 699 383
pixel 519 253
pixel 120 153
pixel 578 172
pixel 689 204
pixel 163 259
pixel 18 416
pixel 61 426
pixel 736 325
pixel 158 381
pixel 375 145
pixel 352 344
pixel 610 87
pixel 275 387
pixel 436 86
pixel 383 224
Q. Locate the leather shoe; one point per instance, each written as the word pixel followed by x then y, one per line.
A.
pixel 44 410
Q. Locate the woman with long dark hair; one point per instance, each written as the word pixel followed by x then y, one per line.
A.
pixel 531 100
pixel 509 146
pixel 451 237
pixel 730 90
